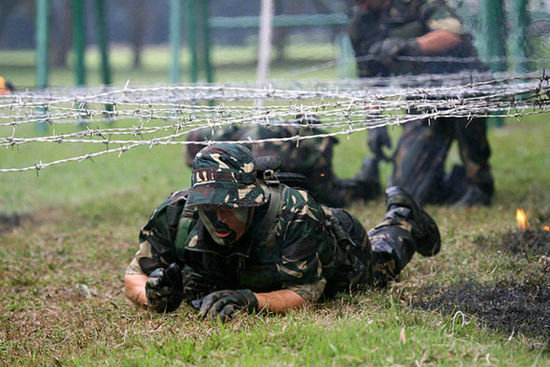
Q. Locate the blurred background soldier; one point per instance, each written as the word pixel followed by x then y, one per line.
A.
pixel 386 36
pixel 6 87
pixel 311 158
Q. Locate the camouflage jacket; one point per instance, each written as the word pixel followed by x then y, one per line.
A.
pixel 408 19
pixel 311 157
pixel 298 251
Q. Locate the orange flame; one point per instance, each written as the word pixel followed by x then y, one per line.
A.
pixel 521 218
pixel 546 228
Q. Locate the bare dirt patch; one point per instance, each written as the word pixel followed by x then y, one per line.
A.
pixel 512 305
pixel 508 306
pixel 527 242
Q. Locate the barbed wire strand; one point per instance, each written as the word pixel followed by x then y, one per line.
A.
pixel 165 115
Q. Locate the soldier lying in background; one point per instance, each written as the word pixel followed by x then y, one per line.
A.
pixel 235 241
pixel 311 158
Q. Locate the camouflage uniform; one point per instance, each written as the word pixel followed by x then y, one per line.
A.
pixel 311 158
pixel 292 243
pixel 422 150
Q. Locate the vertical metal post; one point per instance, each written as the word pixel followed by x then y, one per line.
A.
pixel 190 24
pixel 42 38
pixel 494 40
pixel 493 33
pixel 42 54
pixel 519 45
pixel 206 45
pixel 175 40
pixel 102 40
pixel 79 40
pixel 264 40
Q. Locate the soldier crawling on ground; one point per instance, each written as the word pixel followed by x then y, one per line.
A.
pixel 311 158
pixel 386 36
pixel 238 240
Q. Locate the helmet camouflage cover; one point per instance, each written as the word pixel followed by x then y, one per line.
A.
pixel 225 175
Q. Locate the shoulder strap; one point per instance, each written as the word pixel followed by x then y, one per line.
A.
pixel 272 210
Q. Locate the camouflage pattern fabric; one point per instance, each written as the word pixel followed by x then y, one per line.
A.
pixel 225 175
pixel 422 149
pixel 312 250
pixel 420 159
pixel 311 158
pixel 406 20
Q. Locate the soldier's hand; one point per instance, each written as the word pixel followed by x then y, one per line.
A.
pixel 389 49
pixel 164 288
pixel 223 304
pixel 377 139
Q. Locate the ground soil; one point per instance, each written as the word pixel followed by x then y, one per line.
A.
pixel 530 242
pixel 511 306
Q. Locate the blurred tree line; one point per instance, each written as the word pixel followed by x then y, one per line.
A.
pixel 138 23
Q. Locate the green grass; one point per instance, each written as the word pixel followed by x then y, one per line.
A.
pixel 82 229
pixel 61 270
pixel 232 64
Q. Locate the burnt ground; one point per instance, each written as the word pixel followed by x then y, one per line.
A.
pixel 529 242
pixel 8 222
pixel 509 306
pixel 519 306
pixel 533 241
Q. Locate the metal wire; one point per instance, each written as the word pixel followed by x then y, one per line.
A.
pixel 166 115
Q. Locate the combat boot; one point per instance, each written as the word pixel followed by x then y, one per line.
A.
pixel 424 229
pixel 473 196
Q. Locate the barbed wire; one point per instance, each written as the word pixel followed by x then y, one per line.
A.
pixel 166 115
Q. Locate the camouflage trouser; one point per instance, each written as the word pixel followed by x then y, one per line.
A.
pixel 420 159
pixel 386 249
pixel 311 158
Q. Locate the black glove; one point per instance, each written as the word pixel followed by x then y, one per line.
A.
pixel 164 288
pixel 389 49
pixel 377 139
pixel 223 304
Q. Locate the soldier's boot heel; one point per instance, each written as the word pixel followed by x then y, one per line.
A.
pixel 424 230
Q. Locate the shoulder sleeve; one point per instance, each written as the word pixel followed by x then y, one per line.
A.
pixel 304 242
pixel 157 237
pixel 144 252
pixel 438 15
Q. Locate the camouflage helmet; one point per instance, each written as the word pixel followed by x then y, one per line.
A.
pixel 225 175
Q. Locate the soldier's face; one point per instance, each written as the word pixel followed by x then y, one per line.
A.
pixel 225 225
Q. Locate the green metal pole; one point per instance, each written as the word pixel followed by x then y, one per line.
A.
pixel 192 39
pixel 519 45
pixel 42 54
pixel 175 40
pixel 42 37
pixel 102 40
pixel 493 40
pixel 206 41
pixel 493 33
pixel 79 39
